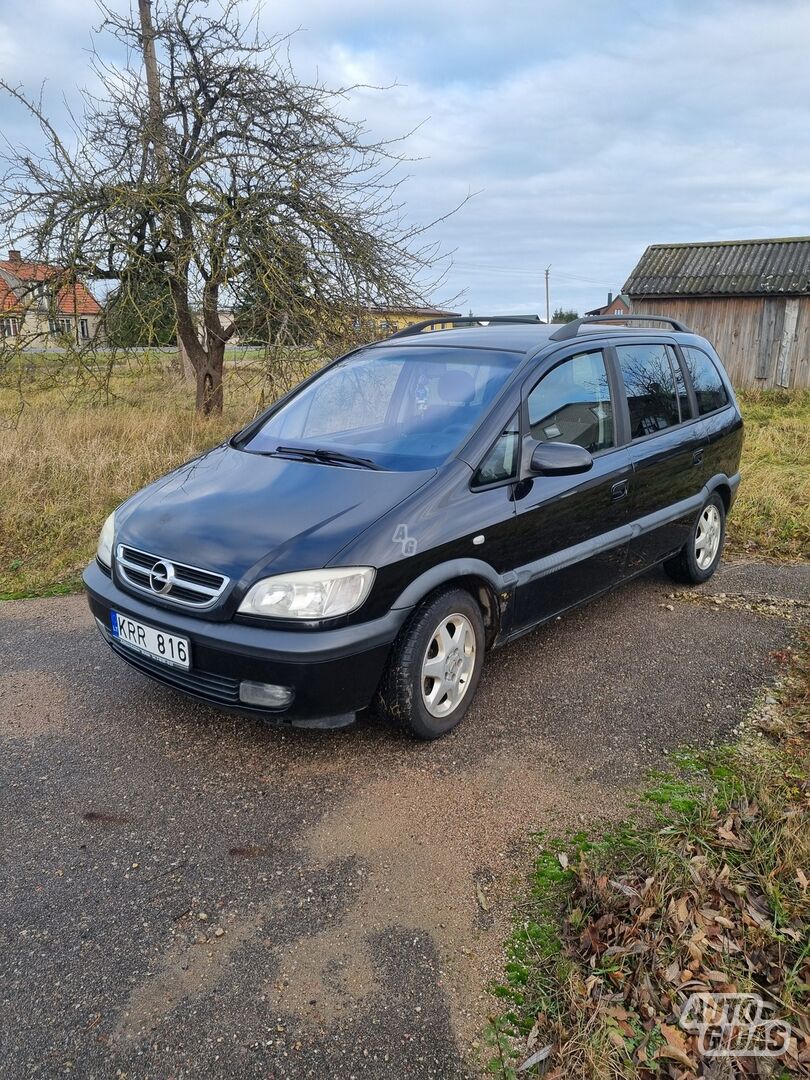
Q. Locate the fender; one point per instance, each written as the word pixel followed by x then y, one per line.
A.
pixel 731 482
pixel 446 572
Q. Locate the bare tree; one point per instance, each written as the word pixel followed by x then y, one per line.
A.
pixel 202 155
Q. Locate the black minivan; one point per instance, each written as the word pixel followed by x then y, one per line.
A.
pixel 416 502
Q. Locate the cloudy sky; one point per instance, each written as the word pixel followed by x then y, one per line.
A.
pixel 586 130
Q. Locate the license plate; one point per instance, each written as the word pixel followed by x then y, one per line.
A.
pixel 168 648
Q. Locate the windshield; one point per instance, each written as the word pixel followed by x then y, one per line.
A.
pixel 402 408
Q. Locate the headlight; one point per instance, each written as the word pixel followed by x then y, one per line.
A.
pixel 310 594
pixel 105 541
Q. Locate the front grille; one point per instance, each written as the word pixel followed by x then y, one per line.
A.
pixel 216 688
pixel 186 585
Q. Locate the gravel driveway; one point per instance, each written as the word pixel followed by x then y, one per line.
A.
pixel 189 894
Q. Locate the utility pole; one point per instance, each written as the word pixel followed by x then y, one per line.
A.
pixel 548 307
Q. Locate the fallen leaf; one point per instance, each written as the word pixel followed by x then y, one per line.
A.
pixel 695 953
pixel 715 976
pixel 674 1053
pixel 563 860
pixel 673 973
pixel 616 1011
pixel 538 1056
pixel 480 896
pixel 756 916
pixel 674 1037
pixel 616 1039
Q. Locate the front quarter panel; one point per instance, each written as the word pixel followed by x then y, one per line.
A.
pixel 445 525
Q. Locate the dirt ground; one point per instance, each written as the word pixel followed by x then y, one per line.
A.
pixel 186 893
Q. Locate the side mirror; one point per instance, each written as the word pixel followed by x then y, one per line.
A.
pixel 559 459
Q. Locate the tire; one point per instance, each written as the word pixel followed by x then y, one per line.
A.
pixel 447 626
pixel 689 566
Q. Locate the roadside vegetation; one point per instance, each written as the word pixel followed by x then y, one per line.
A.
pixel 71 453
pixel 771 517
pixel 706 892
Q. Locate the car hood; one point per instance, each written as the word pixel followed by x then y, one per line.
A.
pixel 241 514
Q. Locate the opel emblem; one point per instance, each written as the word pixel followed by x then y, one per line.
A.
pixel 161 577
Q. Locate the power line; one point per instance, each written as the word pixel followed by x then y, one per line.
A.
pixel 589 281
pixel 521 272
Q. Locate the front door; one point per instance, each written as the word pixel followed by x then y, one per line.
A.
pixel 572 531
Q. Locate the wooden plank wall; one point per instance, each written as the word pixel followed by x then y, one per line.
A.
pixel 751 334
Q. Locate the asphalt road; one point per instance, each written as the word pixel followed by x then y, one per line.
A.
pixel 188 894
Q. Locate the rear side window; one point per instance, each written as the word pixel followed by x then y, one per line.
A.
pixel 680 383
pixel 651 391
pixel 571 404
pixel 709 389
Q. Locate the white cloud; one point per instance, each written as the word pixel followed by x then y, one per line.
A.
pixel 590 130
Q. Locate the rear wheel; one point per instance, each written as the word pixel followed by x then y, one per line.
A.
pixel 435 665
pixel 700 556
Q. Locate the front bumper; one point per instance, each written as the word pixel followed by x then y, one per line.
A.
pixel 333 673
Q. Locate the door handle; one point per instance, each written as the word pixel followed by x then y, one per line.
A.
pixel 697 457
pixel 619 490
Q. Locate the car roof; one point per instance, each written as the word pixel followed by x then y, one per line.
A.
pixel 506 337
pixel 523 338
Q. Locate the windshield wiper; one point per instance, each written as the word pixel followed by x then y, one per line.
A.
pixel 328 457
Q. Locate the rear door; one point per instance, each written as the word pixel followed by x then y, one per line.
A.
pixel 667 445
pixel 572 531
pixel 722 425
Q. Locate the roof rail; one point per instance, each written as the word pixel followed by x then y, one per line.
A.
pixel 571 329
pixel 463 320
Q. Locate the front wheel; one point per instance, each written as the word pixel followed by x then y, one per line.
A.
pixel 700 556
pixel 435 665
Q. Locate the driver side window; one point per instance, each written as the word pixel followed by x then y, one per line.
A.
pixel 571 404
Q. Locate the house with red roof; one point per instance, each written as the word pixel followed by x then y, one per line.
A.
pixel 41 307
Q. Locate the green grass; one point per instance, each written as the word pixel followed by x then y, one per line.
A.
pixel 606 935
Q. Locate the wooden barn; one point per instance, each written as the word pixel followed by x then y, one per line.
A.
pixel 750 298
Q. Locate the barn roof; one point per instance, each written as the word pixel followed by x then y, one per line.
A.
pixel 726 268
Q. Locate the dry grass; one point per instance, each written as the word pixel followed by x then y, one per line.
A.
pixel 772 514
pixel 62 470
pixel 64 466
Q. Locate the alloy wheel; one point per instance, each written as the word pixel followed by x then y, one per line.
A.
pixel 707 537
pixel 448 665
